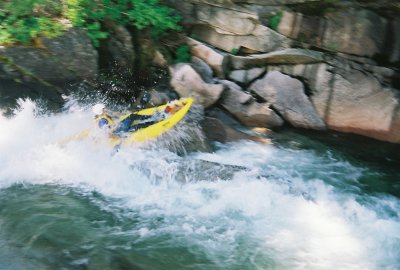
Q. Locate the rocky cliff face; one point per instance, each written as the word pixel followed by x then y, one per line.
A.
pixel 312 64
pixel 43 71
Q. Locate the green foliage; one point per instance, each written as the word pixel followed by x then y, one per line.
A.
pixel 275 20
pixel 21 21
pixel 333 46
pixel 235 51
pixel 182 54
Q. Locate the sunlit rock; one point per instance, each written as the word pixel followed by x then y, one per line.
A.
pixel 287 56
pixel 202 69
pixel 245 108
pixel 353 31
pixel 262 39
pixel 232 21
pixel 359 32
pixel 246 76
pixel 188 83
pixel 287 96
pixel 355 102
pixel 216 60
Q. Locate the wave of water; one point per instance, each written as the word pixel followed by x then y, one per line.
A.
pixel 243 206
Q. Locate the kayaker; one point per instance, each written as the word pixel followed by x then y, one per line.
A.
pixel 106 120
pixel 103 118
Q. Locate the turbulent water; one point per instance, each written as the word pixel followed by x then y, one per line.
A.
pixel 301 203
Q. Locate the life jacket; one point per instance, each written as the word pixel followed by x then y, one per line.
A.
pixel 104 120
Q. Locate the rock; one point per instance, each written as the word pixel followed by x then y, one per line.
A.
pixel 159 59
pixel 229 21
pixel 262 39
pixel 289 24
pixel 303 28
pixel 288 56
pixel 217 61
pixel 188 83
pixel 244 107
pixel 216 130
pixel 68 58
pixel 119 46
pixel 263 131
pixel 383 74
pixel 235 92
pixel 202 69
pixel 353 31
pixel 186 9
pixel 287 96
pixel 352 101
pixel 11 91
pixel 158 98
pixel 359 32
pixel 246 76
pixel 394 51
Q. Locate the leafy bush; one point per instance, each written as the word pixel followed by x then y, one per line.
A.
pixel 235 51
pixel 275 20
pixel 21 21
pixel 182 54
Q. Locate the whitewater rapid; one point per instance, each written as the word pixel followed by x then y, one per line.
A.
pixel 243 206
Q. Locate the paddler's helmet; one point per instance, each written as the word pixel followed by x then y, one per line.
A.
pixel 98 109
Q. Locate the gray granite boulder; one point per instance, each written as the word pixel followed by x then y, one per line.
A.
pixel 287 96
pixel 188 83
pixel 245 108
pixel 68 58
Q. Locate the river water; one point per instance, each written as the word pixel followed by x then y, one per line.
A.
pixel 305 202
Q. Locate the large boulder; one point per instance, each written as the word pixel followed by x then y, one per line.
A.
pixel 353 31
pixel 359 32
pixel 202 69
pixel 352 101
pixel 245 76
pixel 262 39
pixel 245 108
pixel 287 96
pixel 216 60
pixel 188 83
pixel 349 100
pixel 68 58
pixel 230 21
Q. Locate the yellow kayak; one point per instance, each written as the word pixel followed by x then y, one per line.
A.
pixel 155 130
pixel 149 132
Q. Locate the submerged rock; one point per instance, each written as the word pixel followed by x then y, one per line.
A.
pixel 216 130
